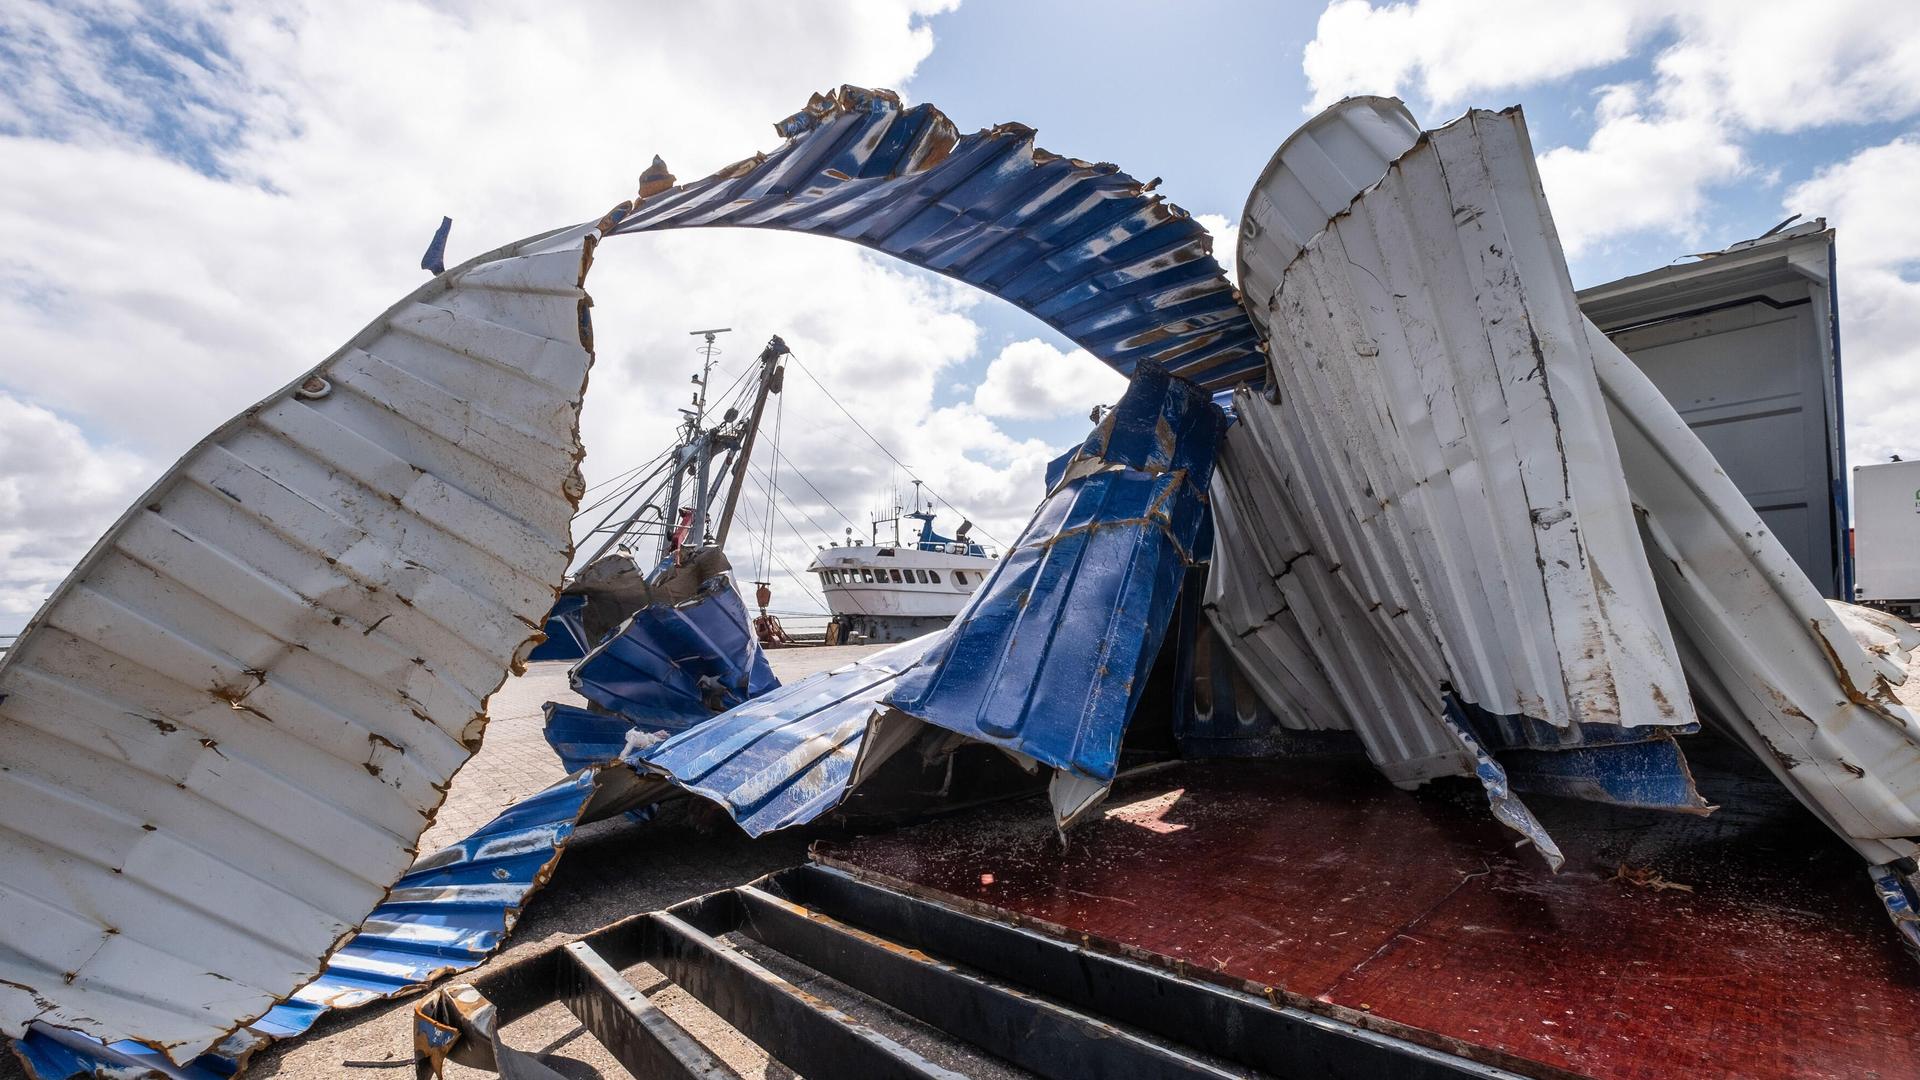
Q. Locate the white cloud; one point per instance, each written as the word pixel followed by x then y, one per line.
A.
pixel 1226 242
pixel 57 493
pixel 1777 65
pixel 1868 200
pixel 1453 50
pixel 1642 169
pixel 1725 70
pixel 1032 380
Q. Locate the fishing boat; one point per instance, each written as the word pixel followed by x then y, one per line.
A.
pixel 881 592
pixel 660 542
pixel 662 539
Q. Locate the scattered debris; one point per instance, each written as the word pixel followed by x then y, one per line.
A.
pixel 1646 878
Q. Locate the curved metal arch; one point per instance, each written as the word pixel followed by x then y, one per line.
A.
pixel 1085 248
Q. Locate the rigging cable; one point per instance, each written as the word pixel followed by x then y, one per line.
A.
pixel 773 487
pixel 795 470
pixel 883 448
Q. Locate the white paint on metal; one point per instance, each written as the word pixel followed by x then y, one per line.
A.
pixel 1444 436
pixel 1297 628
pixel 222 737
pixel 1888 639
pixel 1767 658
pixel 1339 153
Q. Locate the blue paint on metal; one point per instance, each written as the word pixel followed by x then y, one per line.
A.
pixel 1506 806
pixel 1051 655
pixel 435 259
pixel 1652 775
pixel 788 757
pixel 1084 247
pixel 1517 732
pixel 1899 891
pixel 1057 468
pixel 584 738
pixel 566 637
pixel 451 911
pixel 1625 766
pixel 671 666
pixel 51 1054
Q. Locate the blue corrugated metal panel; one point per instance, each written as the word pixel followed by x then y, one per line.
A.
pixel 566 638
pixel 786 758
pixel 653 669
pixel 1627 766
pixel 584 738
pixel 450 912
pixel 62 1054
pixel 1652 774
pixel 1084 247
pixel 1052 653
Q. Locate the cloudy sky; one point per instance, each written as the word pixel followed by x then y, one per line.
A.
pixel 198 201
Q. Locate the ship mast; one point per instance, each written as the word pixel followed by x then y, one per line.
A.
pixel 770 380
pixel 696 450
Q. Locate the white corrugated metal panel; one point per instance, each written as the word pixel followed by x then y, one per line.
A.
pixel 222 737
pixel 1888 639
pixel 1766 656
pixel 1296 627
pixel 1313 176
pixel 1446 436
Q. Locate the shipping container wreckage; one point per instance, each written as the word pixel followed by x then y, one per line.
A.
pixel 1394 500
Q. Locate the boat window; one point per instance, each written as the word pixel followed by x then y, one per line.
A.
pixel 866 575
pixel 920 576
pixel 896 576
pixel 959 577
pixel 935 574
pixel 835 575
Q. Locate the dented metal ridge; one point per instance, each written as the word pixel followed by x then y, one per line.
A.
pixel 1298 630
pixel 1083 247
pixel 671 665
pixel 792 755
pixel 1766 656
pixel 222 737
pixel 583 738
pixel 1046 662
pixel 1051 654
pixel 448 914
pixel 1342 151
pixel 1888 639
pixel 1445 434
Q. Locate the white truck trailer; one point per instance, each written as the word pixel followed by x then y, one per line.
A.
pixel 1886 536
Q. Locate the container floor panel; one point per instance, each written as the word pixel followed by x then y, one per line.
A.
pixel 1747 943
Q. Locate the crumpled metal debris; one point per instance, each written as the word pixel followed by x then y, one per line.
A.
pixel 1050 656
pixel 457 1023
pixel 242 707
pixel 1047 661
pixel 1332 539
pixel 1083 247
pixel 448 914
pixel 672 665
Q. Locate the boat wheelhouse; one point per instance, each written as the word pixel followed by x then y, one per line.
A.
pixel 899 591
